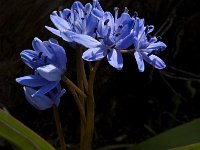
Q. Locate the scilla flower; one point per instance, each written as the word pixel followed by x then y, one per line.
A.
pixel 113 34
pixel 48 61
pixel 146 46
pixel 78 19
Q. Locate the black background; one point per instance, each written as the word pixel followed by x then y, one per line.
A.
pixel 128 103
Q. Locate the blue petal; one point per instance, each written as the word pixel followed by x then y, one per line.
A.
pixel 52 30
pixel 40 102
pixel 139 27
pixel 156 46
pixel 59 56
pixel 97 5
pixel 91 24
pixel 139 60
pixel 60 23
pixel 127 27
pixel 39 46
pixel 50 72
pixel 28 56
pixel 106 29
pixel 88 8
pixel 97 13
pixel 86 40
pixel 154 61
pixel 115 59
pixel 125 43
pixel 67 35
pixel 32 81
pixel 94 54
pixel 45 89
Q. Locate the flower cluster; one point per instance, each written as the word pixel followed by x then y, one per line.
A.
pixel 100 33
pixel 105 35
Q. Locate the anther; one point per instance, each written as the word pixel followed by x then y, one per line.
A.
pixel 148 37
pixel 106 21
pixel 159 38
pixel 117 34
pixel 40 54
pixel 82 18
pixel 120 26
pixel 100 38
pixel 34 59
pixel 68 15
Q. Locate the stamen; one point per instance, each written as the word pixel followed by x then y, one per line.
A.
pixel 146 29
pixel 116 9
pixel 82 18
pixel 135 14
pixel 112 46
pixel 126 10
pixel 159 38
pixel 106 21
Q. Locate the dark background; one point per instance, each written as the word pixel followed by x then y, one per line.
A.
pixel 130 106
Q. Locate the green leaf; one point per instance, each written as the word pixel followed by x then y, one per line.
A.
pixel 182 135
pixel 188 147
pixel 17 133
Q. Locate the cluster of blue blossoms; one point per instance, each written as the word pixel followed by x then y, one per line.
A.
pixel 100 33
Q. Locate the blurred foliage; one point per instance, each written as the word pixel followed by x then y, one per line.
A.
pixel 186 134
pixel 23 137
pixel 130 106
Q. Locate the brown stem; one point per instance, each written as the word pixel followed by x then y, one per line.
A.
pixel 71 84
pixel 90 110
pixel 59 128
pixel 81 82
pixel 76 98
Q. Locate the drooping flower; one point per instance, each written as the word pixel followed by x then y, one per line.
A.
pixel 48 61
pixel 78 19
pixel 146 46
pixel 112 35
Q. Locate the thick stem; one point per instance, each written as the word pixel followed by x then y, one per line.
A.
pixel 81 79
pixel 59 128
pixel 90 110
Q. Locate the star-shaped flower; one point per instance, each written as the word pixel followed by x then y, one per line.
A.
pixel 146 47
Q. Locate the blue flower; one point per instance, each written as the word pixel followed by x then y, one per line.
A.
pixel 146 46
pixel 112 35
pixel 78 19
pixel 48 61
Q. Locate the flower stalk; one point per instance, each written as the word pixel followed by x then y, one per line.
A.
pixel 89 131
pixel 59 128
